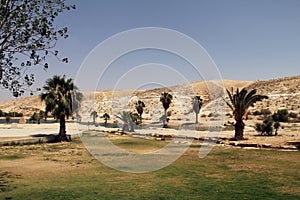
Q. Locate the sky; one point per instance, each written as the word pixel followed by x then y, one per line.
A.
pixel 245 40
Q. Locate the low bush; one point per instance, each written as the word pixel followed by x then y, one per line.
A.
pixel 10 114
pixel 267 127
pixel 293 115
pixel 281 115
pixel 265 112
pixel 255 113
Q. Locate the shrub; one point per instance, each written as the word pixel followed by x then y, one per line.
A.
pixel 7 118
pixel 265 112
pixel 12 114
pixel 268 122
pixel 213 115
pixel 18 114
pixel 259 127
pixel 281 116
pixel 42 114
pixel 256 113
pixel 276 126
pixel 36 117
pixel 293 115
pixel 169 113
pixel 267 127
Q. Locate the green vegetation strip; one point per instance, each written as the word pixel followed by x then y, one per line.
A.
pixel 226 173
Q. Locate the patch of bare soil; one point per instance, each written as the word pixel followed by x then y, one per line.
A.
pixel 46 160
pixel 41 161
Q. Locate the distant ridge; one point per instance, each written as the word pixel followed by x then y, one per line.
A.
pixel 283 92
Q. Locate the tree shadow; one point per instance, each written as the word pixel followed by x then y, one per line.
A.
pixel 296 144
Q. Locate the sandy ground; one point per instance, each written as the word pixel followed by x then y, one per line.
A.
pixel 23 130
pixel 286 137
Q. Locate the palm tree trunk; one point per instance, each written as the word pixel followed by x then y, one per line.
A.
pixel 165 119
pixel 196 119
pixel 131 127
pixel 125 127
pixel 239 130
pixel 141 118
pixel 62 136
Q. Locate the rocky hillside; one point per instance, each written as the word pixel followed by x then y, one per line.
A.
pixel 27 105
pixel 283 93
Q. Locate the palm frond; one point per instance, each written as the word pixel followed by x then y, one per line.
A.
pixel 242 100
pixel 58 96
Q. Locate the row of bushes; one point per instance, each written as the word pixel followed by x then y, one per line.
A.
pixel 272 122
pixel 281 115
pixel 36 117
pixel 10 114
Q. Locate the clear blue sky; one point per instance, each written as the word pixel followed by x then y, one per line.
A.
pixel 248 40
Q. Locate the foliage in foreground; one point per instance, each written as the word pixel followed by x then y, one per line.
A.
pixel 28 35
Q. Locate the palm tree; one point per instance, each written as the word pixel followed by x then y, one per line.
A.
pixel 57 96
pixel 94 115
pixel 126 119
pixel 166 100
pixel 140 108
pixel 106 117
pixel 197 104
pixel 239 104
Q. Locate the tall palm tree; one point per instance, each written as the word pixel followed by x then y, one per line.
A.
pixel 94 115
pixel 140 108
pixel 166 100
pixel 197 104
pixel 239 104
pixel 57 96
pixel 106 117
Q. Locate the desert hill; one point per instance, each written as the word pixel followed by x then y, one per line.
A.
pixel 283 93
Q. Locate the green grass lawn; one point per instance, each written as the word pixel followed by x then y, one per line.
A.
pixel 67 171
